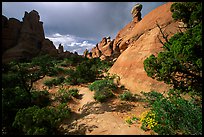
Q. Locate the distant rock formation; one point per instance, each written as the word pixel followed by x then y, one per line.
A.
pixel 26 39
pixel 103 49
pixel 60 48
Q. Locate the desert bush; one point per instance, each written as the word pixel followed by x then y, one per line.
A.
pixel 54 82
pixel 151 96
pixel 174 115
pixel 103 89
pixel 73 78
pixel 40 98
pixel 127 95
pixel 55 71
pixel 103 94
pixel 100 84
pixel 63 95
pixel 40 121
pixel 74 92
pixel 85 72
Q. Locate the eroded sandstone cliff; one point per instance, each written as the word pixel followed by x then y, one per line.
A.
pixel 26 39
pixel 137 42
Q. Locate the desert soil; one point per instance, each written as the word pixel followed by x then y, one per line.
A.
pixel 90 117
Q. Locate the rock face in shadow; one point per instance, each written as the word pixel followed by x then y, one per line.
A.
pixel 138 41
pixel 26 39
pixel 10 32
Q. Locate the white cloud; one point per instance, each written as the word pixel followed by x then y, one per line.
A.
pixel 71 43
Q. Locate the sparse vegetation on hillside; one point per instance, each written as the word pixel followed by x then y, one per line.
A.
pixel 54 82
pixel 20 98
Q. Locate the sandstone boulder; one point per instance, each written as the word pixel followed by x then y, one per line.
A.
pixel 136 12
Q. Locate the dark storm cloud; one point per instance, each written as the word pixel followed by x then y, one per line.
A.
pixel 84 21
pixel 91 20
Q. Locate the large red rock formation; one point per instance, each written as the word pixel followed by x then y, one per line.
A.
pixel 137 42
pixel 24 40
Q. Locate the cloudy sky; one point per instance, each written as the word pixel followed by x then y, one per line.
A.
pixel 78 25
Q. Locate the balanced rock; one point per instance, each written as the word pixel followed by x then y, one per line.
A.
pixel 136 12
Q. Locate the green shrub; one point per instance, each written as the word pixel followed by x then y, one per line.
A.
pixel 55 71
pixel 103 94
pixel 100 84
pixel 40 121
pixel 72 79
pixel 74 92
pixel 103 89
pixel 40 98
pixel 63 96
pixel 175 115
pixel 127 95
pixel 150 97
pixel 13 99
pixel 54 82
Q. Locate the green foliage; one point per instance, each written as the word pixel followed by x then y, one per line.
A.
pixel 72 60
pixel 103 94
pixel 101 84
pixel 188 12
pixel 127 95
pixel 175 115
pixel 74 92
pixel 40 98
pixel 45 62
pixel 13 99
pixel 55 71
pixel 54 82
pixel 150 97
pixel 181 66
pixel 40 121
pixel 86 71
pixel 63 95
pixel 103 89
